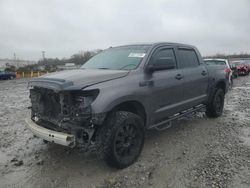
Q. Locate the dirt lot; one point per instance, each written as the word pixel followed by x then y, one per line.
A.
pixel 195 152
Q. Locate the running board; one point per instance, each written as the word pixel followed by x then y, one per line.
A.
pixel 168 122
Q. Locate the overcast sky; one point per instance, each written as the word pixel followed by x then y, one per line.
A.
pixel 64 27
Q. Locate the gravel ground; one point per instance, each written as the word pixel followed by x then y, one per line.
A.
pixel 195 152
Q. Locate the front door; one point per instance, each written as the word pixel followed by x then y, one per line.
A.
pixel 166 91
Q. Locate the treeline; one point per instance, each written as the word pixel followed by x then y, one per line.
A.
pixel 230 56
pixel 51 64
pixel 78 59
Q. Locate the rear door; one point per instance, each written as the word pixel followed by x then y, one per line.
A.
pixel 195 77
pixel 167 88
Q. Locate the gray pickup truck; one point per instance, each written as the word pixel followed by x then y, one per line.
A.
pixel 109 102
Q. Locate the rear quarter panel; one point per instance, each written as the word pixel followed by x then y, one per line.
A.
pixel 216 75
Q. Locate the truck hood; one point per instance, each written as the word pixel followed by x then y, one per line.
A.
pixel 76 79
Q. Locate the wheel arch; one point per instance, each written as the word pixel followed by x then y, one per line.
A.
pixel 132 106
pixel 214 86
pixel 222 85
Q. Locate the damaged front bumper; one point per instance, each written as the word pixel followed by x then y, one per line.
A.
pixel 66 114
pixel 50 135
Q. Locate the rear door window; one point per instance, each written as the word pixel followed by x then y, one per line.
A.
pixel 188 58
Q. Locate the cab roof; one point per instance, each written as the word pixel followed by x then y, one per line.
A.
pixel 147 45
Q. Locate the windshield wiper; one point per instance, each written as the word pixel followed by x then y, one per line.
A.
pixel 105 68
pixel 127 66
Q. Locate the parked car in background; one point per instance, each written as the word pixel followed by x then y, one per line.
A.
pixel 247 62
pixel 243 68
pixel 7 75
pixel 224 63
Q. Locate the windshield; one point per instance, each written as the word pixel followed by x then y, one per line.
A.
pixel 215 62
pixel 123 58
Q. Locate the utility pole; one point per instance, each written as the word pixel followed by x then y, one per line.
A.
pixel 14 56
pixel 43 55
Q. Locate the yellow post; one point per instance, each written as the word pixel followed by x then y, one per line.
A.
pixel 31 74
pixel 38 74
pixel 23 74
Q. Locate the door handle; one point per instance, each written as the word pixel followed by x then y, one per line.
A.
pixel 203 73
pixel 178 77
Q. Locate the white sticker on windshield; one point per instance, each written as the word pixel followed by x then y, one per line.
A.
pixel 139 55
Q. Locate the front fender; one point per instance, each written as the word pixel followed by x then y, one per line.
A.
pixel 107 104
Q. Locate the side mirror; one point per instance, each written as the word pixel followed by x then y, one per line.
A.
pixel 161 64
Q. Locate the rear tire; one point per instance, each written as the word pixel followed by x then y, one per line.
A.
pixel 216 105
pixel 121 139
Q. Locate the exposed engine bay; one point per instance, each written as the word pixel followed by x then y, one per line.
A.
pixel 66 111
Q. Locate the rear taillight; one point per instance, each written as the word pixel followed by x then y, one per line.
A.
pixel 227 70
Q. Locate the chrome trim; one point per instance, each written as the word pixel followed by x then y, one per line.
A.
pixel 50 135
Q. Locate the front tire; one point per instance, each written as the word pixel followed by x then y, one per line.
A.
pixel 121 139
pixel 216 105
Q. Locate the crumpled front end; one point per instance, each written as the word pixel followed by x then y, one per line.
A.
pixel 67 112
